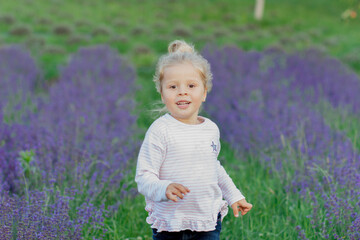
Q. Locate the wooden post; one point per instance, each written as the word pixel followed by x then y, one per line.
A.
pixel 259 9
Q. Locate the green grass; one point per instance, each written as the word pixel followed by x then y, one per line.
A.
pixel 160 18
pixel 343 120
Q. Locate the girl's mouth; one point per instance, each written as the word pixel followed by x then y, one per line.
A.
pixel 182 103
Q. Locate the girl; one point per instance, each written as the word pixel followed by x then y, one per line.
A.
pixel 177 171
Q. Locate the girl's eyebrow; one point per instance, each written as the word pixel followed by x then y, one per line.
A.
pixel 170 82
pixel 175 81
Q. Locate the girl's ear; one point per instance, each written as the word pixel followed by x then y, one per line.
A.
pixel 205 94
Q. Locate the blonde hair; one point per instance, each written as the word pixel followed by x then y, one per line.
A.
pixel 181 52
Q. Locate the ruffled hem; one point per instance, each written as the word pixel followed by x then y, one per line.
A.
pixel 224 211
pixel 186 224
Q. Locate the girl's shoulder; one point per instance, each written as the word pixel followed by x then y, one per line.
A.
pixel 159 125
pixel 211 123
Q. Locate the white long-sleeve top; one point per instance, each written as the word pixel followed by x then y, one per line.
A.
pixel 175 152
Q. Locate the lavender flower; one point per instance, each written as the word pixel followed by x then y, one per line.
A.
pixel 88 116
pixel 78 135
pixel 38 217
pixel 19 76
pixel 264 104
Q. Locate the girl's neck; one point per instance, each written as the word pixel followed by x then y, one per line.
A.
pixel 198 120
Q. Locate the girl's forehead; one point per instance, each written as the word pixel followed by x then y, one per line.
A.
pixel 180 66
pixel 181 70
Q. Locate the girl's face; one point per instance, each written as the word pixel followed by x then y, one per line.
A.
pixel 183 91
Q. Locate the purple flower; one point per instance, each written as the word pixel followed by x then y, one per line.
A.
pixel 79 134
pixel 264 104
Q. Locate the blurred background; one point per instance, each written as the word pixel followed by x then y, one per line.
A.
pixel 141 30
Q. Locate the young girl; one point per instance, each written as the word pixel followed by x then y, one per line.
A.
pixel 177 171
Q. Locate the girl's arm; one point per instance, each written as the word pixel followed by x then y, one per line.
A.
pixel 229 190
pixel 151 156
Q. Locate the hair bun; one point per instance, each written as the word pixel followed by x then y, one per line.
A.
pixel 180 46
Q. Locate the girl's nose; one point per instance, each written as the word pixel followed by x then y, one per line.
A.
pixel 182 90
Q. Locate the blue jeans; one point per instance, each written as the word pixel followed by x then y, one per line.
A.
pixel 187 234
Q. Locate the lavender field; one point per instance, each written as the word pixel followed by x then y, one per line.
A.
pixel 269 104
pixel 64 146
pixel 76 97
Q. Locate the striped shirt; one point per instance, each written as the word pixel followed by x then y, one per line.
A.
pixel 175 152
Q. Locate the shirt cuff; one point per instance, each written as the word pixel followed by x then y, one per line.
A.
pixel 235 197
pixel 164 185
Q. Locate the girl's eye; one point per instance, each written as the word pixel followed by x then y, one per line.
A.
pixel 172 87
pixel 191 85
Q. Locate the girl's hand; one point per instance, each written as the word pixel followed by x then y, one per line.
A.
pixel 175 190
pixel 241 205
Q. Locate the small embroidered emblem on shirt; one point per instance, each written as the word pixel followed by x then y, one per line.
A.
pixel 214 146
